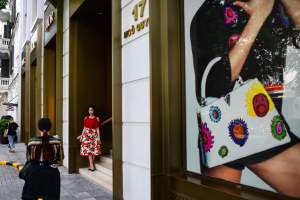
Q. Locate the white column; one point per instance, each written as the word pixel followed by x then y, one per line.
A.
pixel 136 105
pixel 66 34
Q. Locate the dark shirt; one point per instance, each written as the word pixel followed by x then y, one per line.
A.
pixel 212 36
pixel 12 129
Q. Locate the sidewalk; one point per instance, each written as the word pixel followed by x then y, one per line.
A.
pixel 73 186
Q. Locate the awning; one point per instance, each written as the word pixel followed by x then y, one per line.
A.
pixel 10 104
pixel 10 109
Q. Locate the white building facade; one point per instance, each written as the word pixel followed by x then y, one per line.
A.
pixel 5 59
pixel 26 15
pixel 135 81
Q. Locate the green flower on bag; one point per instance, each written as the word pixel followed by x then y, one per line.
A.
pixel 223 151
pixel 278 128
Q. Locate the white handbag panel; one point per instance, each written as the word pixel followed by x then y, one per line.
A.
pixel 240 124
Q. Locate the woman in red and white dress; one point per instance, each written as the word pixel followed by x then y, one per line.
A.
pixel 90 137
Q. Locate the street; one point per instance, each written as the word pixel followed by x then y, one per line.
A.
pixel 73 186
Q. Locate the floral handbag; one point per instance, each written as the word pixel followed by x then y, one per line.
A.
pixel 242 123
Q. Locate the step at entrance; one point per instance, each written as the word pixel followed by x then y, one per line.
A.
pixel 103 175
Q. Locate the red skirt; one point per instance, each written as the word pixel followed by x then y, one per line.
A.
pixel 90 143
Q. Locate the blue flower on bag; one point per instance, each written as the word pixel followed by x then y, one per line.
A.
pixel 215 114
pixel 238 131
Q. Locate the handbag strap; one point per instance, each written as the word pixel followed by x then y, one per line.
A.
pixel 204 79
pixel 239 82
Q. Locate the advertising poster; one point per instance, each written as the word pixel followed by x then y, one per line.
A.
pixel 242 68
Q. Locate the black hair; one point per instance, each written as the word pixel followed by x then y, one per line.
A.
pixel 92 107
pixel 44 125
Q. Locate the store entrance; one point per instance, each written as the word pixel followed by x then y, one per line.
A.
pixel 50 83
pixel 33 99
pixel 23 105
pixel 91 81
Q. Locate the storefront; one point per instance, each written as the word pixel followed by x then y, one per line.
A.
pixel 182 36
pixel 35 77
pixel 89 78
pixel 141 62
pixel 23 96
pixel 152 55
pixel 31 98
pixel 52 78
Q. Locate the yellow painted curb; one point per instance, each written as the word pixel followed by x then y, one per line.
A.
pixel 16 165
pixel 3 162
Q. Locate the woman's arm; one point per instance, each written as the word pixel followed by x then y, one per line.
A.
pixel 78 137
pixel 210 38
pixel 258 11
pixel 293 10
pixel 98 133
pixel 106 121
pixel 98 125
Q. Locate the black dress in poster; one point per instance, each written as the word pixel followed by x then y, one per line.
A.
pixel 249 41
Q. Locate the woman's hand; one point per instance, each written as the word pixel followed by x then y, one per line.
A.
pixel 258 9
pixel 78 137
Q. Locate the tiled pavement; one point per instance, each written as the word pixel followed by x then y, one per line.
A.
pixel 73 186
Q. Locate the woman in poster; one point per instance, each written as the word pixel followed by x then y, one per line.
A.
pixel 251 37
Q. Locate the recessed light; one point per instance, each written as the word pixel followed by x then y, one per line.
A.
pixel 99 13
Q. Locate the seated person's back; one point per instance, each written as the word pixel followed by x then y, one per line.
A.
pixel 41 175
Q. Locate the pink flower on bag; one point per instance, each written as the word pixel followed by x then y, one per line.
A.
pixel 230 15
pixel 207 137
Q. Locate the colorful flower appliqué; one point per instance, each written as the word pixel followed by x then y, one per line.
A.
pixel 238 131
pixel 207 137
pixel 260 105
pixel 230 16
pixel 223 151
pixel 215 114
pixel 232 40
pixel 278 128
pixel 258 101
